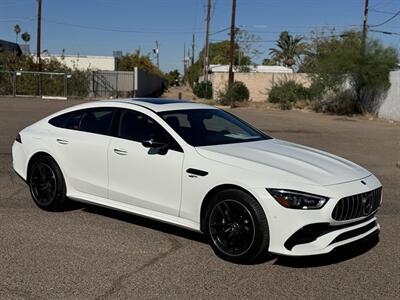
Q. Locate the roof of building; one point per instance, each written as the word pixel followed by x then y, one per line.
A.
pixel 6 46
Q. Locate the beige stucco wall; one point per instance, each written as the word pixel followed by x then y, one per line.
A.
pixel 257 83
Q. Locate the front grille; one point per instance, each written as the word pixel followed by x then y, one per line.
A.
pixel 357 206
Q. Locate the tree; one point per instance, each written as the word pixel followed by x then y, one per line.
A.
pixel 128 62
pixel 219 54
pixel 173 77
pixel 246 41
pixel 17 30
pixel 269 62
pixel 289 49
pixel 338 64
pixel 26 37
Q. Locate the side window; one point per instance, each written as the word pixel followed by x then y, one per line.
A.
pixel 138 127
pixel 69 120
pixel 59 120
pixel 73 120
pixel 97 120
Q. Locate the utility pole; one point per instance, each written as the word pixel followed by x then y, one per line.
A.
pixel 365 27
pixel 39 65
pixel 184 62
pixel 157 50
pixel 206 43
pixel 231 52
pixel 193 46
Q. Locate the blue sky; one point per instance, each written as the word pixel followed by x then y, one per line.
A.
pixel 97 27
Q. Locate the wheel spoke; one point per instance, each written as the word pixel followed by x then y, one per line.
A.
pixel 221 211
pixel 228 211
pixel 42 172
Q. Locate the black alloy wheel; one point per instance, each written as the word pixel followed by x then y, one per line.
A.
pixel 236 226
pixel 47 185
pixel 43 184
pixel 231 227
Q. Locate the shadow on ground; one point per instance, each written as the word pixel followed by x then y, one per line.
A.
pixel 338 255
pixel 145 222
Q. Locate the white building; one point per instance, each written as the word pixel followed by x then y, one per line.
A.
pixel 251 69
pixel 84 62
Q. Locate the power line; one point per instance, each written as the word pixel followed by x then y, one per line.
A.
pixel 118 29
pixel 387 21
pixel 382 11
pixel 219 31
pixel 385 32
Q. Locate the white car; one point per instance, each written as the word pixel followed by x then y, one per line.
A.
pixel 201 168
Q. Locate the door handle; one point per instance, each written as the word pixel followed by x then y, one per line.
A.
pixel 62 141
pixel 120 151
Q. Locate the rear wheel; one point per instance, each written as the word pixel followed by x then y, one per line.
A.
pixel 47 185
pixel 237 227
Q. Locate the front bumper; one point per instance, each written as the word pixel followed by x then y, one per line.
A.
pixel 311 232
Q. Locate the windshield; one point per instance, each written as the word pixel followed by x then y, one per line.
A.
pixel 205 127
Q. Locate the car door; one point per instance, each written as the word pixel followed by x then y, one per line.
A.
pixel 81 145
pixel 140 176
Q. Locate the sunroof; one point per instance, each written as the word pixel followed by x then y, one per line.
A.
pixel 161 101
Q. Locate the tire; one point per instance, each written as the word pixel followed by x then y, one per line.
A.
pixel 47 184
pixel 237 227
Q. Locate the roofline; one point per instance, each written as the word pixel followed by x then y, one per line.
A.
pixel 143 106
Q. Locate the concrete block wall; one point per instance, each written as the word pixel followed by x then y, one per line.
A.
pixel 258 84
pixel 390 107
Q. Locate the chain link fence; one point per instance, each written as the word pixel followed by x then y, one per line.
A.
pixel 81 84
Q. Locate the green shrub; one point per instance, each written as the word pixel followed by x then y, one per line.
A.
pixel 239 93
pixel 203 90
pixel 343 103
pixel 288 91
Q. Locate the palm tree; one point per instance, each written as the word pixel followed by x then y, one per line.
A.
pixel 289 49
pixel 17 30
pixel 26 37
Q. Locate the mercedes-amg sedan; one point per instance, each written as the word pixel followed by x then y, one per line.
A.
pixel 202 168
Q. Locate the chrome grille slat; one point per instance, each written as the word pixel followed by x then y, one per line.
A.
pixel 352 207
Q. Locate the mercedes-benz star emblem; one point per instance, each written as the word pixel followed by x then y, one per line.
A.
pixel 366 205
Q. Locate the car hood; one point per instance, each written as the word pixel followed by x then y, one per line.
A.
pixel 291 162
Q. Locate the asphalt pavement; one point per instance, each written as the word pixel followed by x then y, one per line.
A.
pixel 96 253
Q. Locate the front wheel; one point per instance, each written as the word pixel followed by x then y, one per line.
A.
pixel 47 185
pixel 237 227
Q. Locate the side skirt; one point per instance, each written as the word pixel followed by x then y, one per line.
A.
pixel 173 220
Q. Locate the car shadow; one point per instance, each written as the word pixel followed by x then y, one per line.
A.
pixel 145 222
pixel 159 226
pixel 338 255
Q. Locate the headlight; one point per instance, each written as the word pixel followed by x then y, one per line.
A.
pixel 298 200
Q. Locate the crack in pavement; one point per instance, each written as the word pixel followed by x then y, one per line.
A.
pixel 117 284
